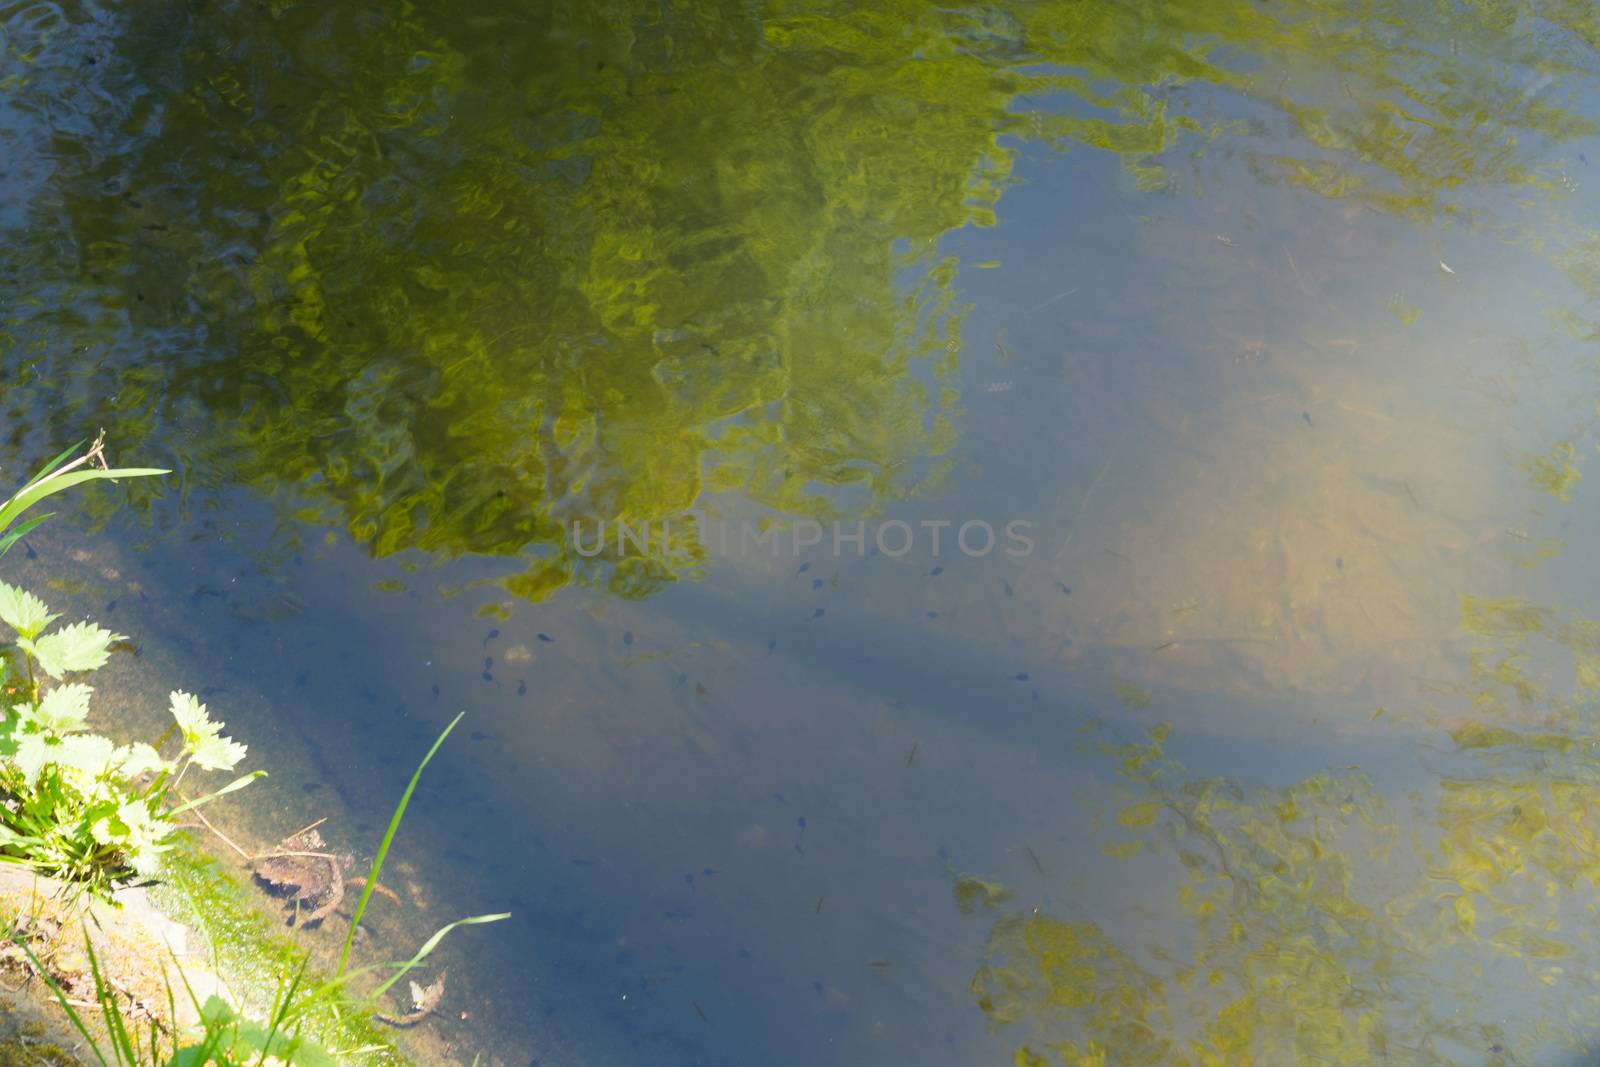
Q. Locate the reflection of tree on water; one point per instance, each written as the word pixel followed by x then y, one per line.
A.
pixel 462 279
pixel 1317 922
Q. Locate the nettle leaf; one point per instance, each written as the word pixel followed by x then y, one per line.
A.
pixel 62 710
pixel 139 758
pixel 217 753
pixel 191 716
pixel 83 646
pixel 88 754
pixel 104 825
pixel 33 752
pixel 241 1037
pixel 202 736
pixel 23 612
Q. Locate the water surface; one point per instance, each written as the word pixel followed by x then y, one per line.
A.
pixel 1268 329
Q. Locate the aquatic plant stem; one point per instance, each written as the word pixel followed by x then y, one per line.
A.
pixel 219 833
pixel 383 849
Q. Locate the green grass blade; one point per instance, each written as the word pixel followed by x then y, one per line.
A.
pixel 66 1005
pixel 333 985
pixel 283 1002
pixel 388 838
pixel 36 492
pixel 238 783
pixel 44 471
pixel 427 948
pixel 116 1027
pixel 21 531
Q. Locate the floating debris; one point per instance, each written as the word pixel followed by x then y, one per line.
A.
pixel 424 1000
pixel 971 893
pixel 998 387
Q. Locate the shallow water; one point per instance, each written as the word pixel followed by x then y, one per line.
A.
pixel 1265 735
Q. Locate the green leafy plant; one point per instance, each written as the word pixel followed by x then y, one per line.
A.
pixel 76 805
pixel 73 803
pixel 63 472
pixel 227 1036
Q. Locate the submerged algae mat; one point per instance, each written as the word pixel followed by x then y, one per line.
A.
pixel 1319 922
pixel 1444 916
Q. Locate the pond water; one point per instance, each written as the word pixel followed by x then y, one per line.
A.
pixel 1040 533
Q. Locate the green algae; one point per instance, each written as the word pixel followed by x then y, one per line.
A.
pixel 1556 475
pixel 1131 696
pixel 26 1041
pixel 1320 921
pixel 252 953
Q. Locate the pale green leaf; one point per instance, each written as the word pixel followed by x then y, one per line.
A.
pixel 139 758
pixel 145 858
pixel 83 646
pixel 217 753
pixel 233 786
pixel 191 717
pixel 88 754
pixel 23 612
pixel 63 709
pixel 107 832
pixel 33 752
